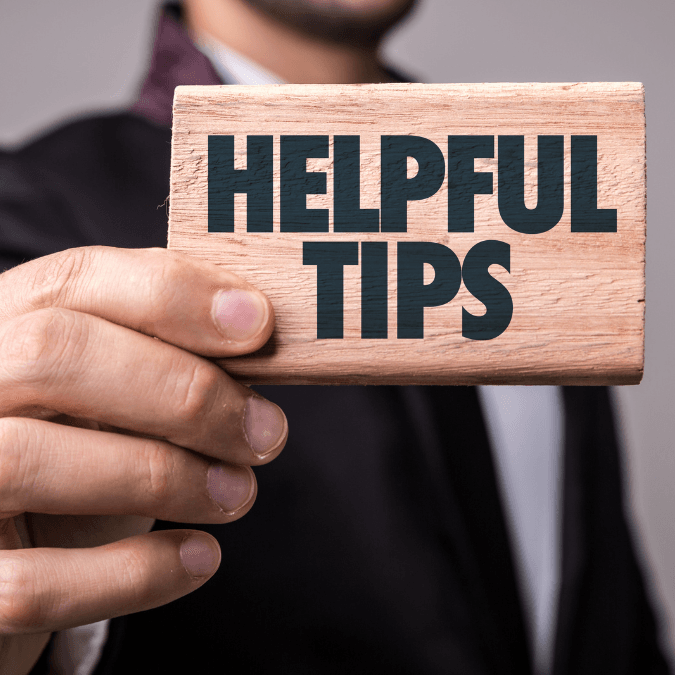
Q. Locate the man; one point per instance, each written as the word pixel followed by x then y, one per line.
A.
pixel 379 541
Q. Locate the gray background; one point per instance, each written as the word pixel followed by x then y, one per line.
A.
pixel 61 58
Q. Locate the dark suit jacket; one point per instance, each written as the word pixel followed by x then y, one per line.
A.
pixel 377 543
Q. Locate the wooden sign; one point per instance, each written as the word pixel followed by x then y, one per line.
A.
pixel 429 234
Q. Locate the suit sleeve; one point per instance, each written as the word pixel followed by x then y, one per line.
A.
pixel 34 219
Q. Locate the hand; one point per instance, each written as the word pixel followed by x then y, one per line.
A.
pixel 108 420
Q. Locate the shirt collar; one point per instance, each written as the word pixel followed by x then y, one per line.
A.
pixel 233 67
pixel 175 61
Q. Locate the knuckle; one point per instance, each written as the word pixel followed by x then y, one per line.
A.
pixel 135 578
pixel 157 472
pixel 21 607
pixel 196 394
pixel 55 275
pixel 13 465
pixel 35 345
pixel 166 274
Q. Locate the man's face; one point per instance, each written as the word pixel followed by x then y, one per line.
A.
pixel 358 22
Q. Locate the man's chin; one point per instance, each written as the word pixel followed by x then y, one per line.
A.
pixel 360 23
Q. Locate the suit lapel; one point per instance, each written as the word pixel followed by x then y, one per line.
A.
pixel 468 498
pixel 574 535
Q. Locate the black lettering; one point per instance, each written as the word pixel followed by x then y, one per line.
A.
pixel 585 214
pixel 348 216
pixel 224 181
pixel 413 294
pixel 483 286
pixel 463 181
pixel 330 259
pixel 297 183
pixel 397 188
pixel 374 289
pixel 551 192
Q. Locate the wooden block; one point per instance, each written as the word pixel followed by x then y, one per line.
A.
pixel 530 195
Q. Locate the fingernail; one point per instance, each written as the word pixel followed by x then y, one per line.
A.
pixel 265 425
pixel 230 487
pixel 200 555
pixel 239 314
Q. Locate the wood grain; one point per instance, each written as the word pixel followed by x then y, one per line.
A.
pixel 578 298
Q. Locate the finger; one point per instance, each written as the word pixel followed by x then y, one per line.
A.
pixel 66 531
pixel 190 303
pixel 49 589
pixel 86 367
pixel 54 469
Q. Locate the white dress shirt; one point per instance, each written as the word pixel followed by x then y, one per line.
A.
pixel 525 428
